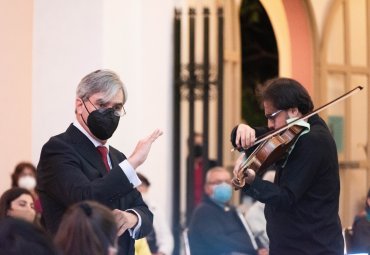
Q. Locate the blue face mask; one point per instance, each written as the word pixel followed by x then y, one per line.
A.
pixel 222 193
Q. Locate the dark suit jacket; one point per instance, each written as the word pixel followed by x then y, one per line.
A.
pixel 70 170
pixel 214 230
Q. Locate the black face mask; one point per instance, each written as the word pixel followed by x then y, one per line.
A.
pixel 198 150
pixel 102 124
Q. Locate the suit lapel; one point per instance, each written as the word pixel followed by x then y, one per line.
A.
pixel 114 157
pixel 86 149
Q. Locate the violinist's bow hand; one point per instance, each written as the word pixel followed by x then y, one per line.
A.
pixel 245 136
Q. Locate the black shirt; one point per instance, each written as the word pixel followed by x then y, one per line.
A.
pixel 216 230
pixel 302 204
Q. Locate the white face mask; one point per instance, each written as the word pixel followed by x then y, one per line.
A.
pixel 27 182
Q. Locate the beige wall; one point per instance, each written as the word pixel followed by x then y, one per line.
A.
pixel 15 81
pixel 344 65
pixel 47 46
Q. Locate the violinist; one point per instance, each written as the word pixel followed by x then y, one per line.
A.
pixel 301 206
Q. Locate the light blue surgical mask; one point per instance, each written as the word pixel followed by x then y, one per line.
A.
pixel 222 193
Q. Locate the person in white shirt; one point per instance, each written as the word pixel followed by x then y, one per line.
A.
pixel 256 218
pixel 160 240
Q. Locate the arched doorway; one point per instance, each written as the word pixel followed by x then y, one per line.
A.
pixel 259 58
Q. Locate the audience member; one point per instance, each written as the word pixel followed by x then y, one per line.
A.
pixel 361 230
pixel 255 217
pixel 160 240
pixel 196 174
pixel 17 203
pixel 87 228
pixel 216 227
pixel 24 176
pixel 18 237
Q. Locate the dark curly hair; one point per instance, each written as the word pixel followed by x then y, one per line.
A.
pixel 285 93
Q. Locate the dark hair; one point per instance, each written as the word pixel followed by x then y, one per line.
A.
pixel 143 179
pixel 368 197
pixel 86 228
pixel 196 134
pixel 21 237
pixel 285 93
pixel 8 197
pixel 19 169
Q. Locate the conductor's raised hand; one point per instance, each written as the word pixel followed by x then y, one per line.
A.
pixel 245 136
pixel 142 149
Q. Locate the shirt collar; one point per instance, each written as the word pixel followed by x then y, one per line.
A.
pixel 92 139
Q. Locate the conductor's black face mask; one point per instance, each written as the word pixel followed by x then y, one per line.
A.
pixel 102 122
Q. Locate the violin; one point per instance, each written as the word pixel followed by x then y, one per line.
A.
pixel 267 153
pixel 275 145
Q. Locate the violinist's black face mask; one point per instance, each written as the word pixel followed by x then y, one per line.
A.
pixel 102 123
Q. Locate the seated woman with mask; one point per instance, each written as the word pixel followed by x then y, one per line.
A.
pixel 24 176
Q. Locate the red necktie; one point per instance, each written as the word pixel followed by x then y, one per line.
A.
pixel 198 182
pixel 103 151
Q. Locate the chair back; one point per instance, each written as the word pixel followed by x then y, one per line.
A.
pixel 347 236
pixel 185 238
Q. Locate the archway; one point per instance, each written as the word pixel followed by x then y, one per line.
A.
pixel 259 57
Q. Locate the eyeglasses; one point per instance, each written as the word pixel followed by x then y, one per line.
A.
pixel 273 115
pixel 219 182
pixel 119 110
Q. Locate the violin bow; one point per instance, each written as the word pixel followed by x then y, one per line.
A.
pixel 321 108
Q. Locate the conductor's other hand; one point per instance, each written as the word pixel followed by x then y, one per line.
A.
pixel 142 149
pixel 124 220
pixel 245 136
